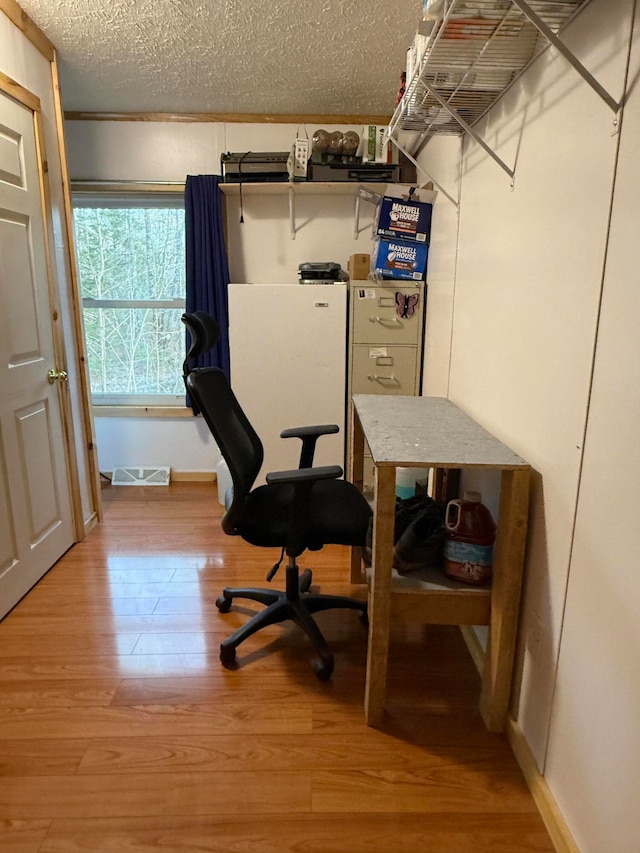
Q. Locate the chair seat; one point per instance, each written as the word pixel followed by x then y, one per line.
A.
pixel 338 515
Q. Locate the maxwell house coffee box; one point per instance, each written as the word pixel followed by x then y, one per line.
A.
pixel 399 259
pixel 404 219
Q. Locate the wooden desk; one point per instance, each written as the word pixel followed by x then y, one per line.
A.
pixel 432 432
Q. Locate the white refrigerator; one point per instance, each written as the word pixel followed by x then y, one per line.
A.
pixel 288 345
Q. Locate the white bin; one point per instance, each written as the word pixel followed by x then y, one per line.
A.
pixel 223 478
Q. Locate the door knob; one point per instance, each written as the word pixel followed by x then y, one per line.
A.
pixel 57 376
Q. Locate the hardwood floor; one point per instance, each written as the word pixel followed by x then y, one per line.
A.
pixel 121 732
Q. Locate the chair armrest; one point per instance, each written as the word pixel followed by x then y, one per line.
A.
pixel 309 436
pixel 302 480
pixel 302 432
pixel 305 475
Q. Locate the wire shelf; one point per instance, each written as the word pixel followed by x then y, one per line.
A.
pixel 473 52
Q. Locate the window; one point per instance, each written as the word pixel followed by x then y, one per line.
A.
pixel 131 267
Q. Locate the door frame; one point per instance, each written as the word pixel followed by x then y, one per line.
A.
pixel 19 18
pixel 31 102
pixel 77 318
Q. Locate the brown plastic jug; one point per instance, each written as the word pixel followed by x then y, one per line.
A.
pixel 470 534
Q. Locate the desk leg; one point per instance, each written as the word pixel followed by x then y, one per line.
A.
pixel 357 478
pixel 380 594
pixel 505 598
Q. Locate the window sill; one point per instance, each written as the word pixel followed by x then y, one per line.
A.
pixel 141 412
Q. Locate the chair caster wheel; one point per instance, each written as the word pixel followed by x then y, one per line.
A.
pixel 223 604
pixel 227 656
pixel 323 668
pixel 305 580
pixel 364 618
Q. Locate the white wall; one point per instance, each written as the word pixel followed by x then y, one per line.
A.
pixel 139 151
pixel 260 250
pixel 144 441
pixel 22 62
pixel 595 731
pixel 444 153
pixel 525 328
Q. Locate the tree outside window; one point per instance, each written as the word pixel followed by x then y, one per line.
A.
pixel 131 266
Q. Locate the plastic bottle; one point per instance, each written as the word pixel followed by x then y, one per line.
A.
pixel 470 533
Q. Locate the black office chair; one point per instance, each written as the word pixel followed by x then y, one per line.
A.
pixel 301 509
pixel 204 333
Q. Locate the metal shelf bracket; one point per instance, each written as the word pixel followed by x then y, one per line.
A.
pixel 553 39
pixel 420 79
pixel 292 214
pixel 467 128
pixel 427 175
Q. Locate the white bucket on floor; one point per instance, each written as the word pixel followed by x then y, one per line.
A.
pixel 223 478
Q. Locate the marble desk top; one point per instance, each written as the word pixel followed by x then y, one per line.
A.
pixel 428 432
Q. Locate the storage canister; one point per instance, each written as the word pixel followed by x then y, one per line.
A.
pixel 223 476
pixel 406 481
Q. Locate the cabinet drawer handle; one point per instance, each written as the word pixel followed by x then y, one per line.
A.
pixel 389 380
pixel 386 321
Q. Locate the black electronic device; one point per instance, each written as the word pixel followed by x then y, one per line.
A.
pixel 254 167
pixel 326 272
pixel 363 172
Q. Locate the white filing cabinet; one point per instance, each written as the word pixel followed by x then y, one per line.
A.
pixel 386 323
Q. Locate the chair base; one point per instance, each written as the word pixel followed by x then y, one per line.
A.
pixel 295 603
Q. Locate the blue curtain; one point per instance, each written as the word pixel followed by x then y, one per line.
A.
pixel 207 264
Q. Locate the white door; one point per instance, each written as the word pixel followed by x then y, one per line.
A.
pixel 35 511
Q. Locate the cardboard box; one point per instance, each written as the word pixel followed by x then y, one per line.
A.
pixel 359 267
pixel 404 219
pixel 426 193
pixel 376 149
pixel 400 259
pixel 298 159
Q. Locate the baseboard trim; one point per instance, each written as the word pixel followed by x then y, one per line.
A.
pixel 555 823
pixel 90 523
pixel 193 476
pixel 551 815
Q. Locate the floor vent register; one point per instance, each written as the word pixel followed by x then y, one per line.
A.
pixel 157 475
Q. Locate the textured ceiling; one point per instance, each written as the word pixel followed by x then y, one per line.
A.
pixel 265 56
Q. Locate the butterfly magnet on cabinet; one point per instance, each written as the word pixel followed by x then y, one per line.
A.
pixel 406 303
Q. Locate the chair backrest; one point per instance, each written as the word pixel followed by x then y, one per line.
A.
pixel 237 440
pixel 204 332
